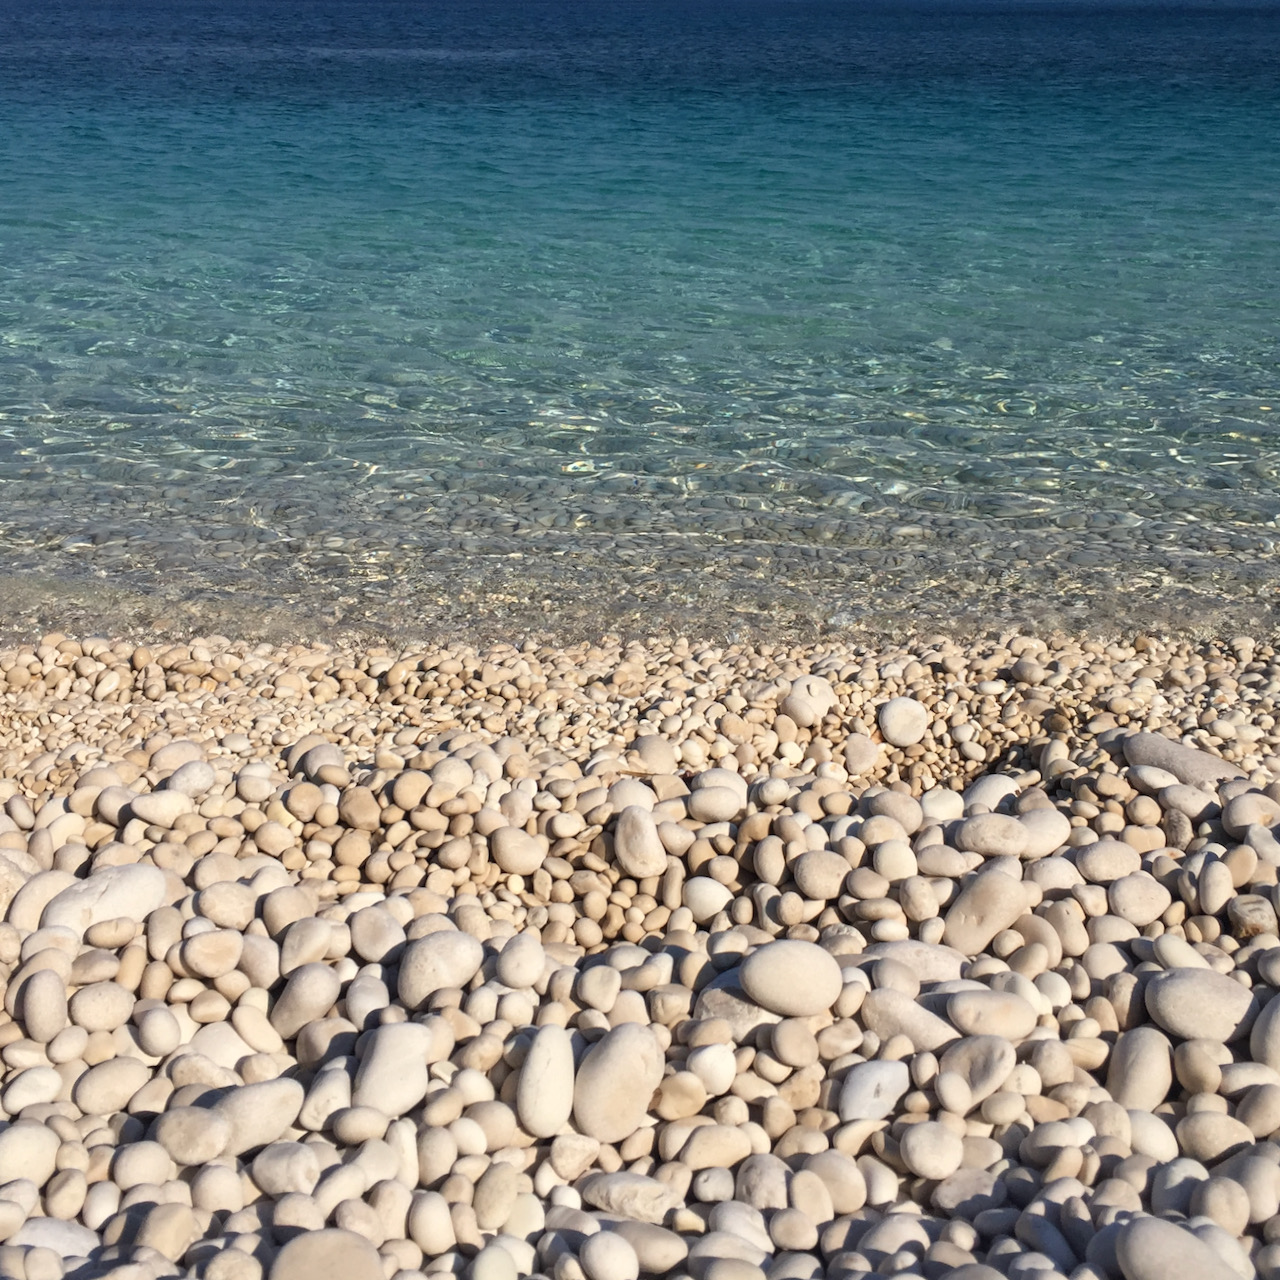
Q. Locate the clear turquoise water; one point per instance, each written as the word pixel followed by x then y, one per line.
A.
pixel 1009 263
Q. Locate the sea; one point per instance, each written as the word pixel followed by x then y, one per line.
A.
pixel 738 318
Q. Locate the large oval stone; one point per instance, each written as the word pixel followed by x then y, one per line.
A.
pixel 1152 1249
pixel 1195 1003
pixel 616 1082
pixel 130 892
pixel 449 958
pixel 331 1254
pixel 792 978
pixel 987 905
pixel 544 1092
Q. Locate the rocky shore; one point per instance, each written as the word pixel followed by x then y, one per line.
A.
pixel 748 963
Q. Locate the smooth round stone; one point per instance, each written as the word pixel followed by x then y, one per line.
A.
pixel 30 1088
pixel 995 1013
pixel 1253 808
pixel 520 962
pixel 1140 1073
pixel 715 1146
pixel 101 1006
pixel 720 777
pixel 1223 1200
pixel 861 755
pixel 994 835
pixel 393 1073
pixel 987 905
pixel 1196 804
pixel 657 1249
pixel 616 1081
pixel 259 1113
pixel 714 804
pixel 1047 831
pixel 982 1062
pixel 1187 764
pixel 285 1167
pixel 1153 1249
pixel 705 897
pixel 1106 860
pixel 1138 898
pixel 515 851
pixel 449 958
pixel 358 809
pixel 192 1135
pixel 792 978
pixel 493 1262
pixel 636 846
pixel 311 991
pixel 1264 1039
pixel 903 721
pixel 1208 1136
pixel 820 874
pixel 213 954
pixel 871 1091
pixel 195 778
pixel 44 1005
pixel 161 808
pixel 129 892
pixel 331 1254
pixel 968 1192
pixel 657 753
pixel 1195 1003
pixel 607 1256
pixel 931 1150
pixel 28 1150
pixel 545 1089
pixel 1250 915
pixel 376 935
pixel 889 1012
pixel 990 791
pixel 107 1088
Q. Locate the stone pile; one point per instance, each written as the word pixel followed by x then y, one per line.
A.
pixel 636 961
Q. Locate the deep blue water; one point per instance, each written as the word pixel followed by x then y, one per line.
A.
pixel 1015 260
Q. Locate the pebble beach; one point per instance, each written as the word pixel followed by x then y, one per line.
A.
pixel 638 641
pixel 926 959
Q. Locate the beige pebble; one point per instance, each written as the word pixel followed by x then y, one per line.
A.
pixel 636 845
pixel 448 958
pixel 999 1013
pixel 515 851
pixel 545 1091
pixel 989 904
pixel 1197 1003
pixel 44 1005
pixel 616 1082
pixel 327 1255
pixel 607 1255
pixel 259 1113
pixel 192 1136
pixel 393 1073
pixel 931 1150
pixel 28 1150
pixel 107 1088
pixel 791 978
pixel 902 721
pixel 101 1006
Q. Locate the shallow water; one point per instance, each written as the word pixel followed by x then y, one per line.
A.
pixel 755 313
